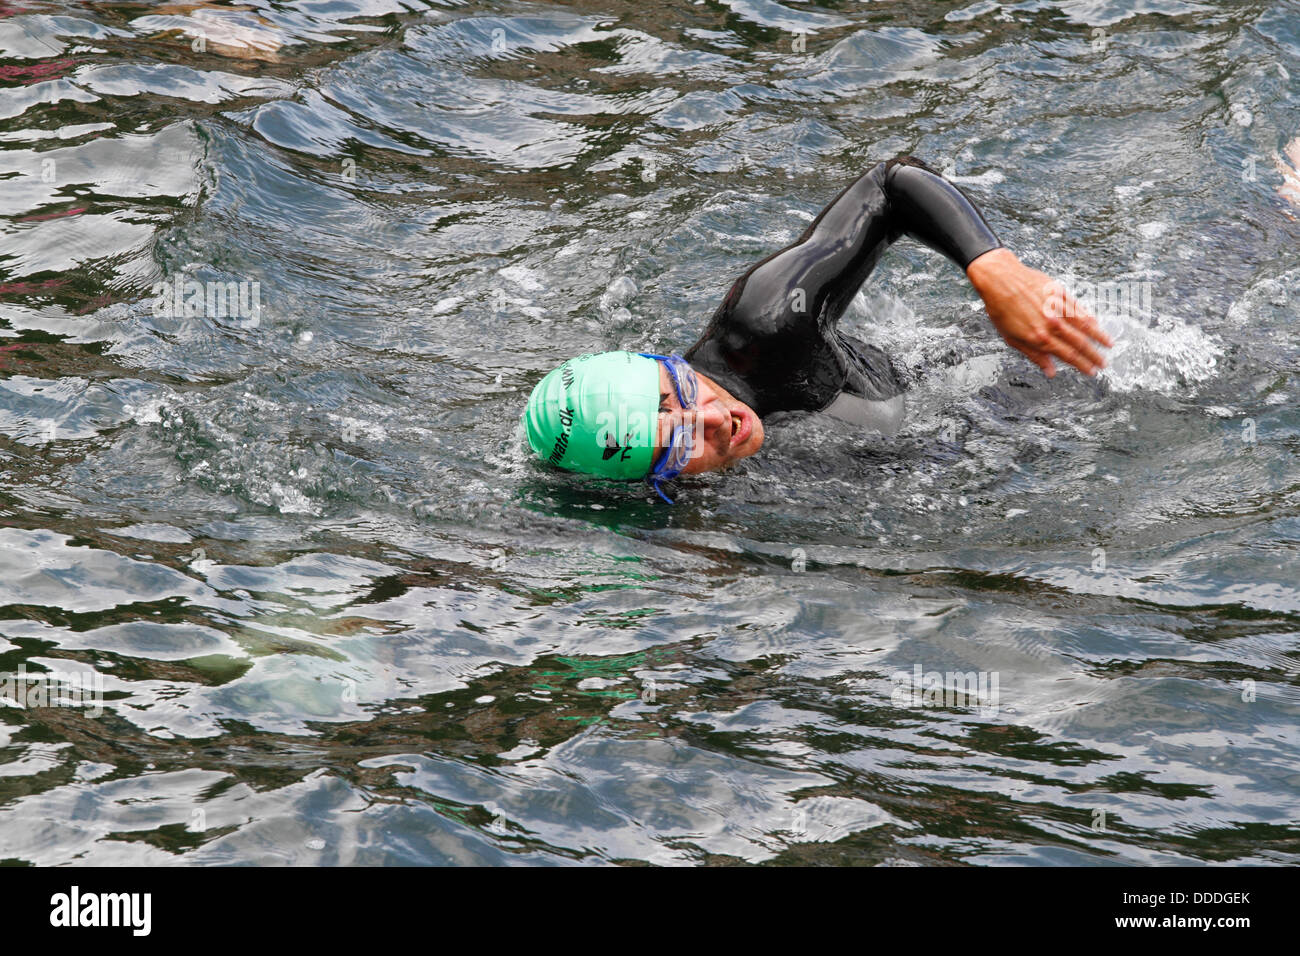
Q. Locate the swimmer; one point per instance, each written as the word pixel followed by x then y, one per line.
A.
pixel 773 346
pixel 1288 164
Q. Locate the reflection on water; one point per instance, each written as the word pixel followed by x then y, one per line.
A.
pixel 333 615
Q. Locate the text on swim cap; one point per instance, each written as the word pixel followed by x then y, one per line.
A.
pixel 566 418
pixel 562 442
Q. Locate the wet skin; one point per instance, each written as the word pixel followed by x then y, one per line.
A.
pixel 726 429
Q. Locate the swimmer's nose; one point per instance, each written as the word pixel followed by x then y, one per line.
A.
pixel 714 423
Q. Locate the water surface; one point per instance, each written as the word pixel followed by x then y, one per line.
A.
pixel 337 617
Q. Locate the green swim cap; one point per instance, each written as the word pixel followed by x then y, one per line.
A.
pixel 597 414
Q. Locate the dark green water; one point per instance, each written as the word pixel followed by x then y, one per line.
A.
pixel 338 618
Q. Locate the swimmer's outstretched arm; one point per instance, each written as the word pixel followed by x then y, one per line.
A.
pixel 1032 312
pixel 822 271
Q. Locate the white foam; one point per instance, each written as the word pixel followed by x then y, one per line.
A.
pixel 527 279
pixel 990 177
pixel 1268 298
pixel 1164 356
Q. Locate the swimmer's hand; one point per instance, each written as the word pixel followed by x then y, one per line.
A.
pixel 1035 315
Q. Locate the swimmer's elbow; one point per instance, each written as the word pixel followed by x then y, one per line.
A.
pixel 907 159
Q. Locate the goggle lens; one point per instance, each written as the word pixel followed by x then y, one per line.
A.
pixel 681 444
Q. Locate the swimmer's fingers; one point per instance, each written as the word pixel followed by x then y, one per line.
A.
pixel 1072 346
pixel 1054 337
pixel 1061 348
pixel 1041 359
pixel 1065 330
pixel 1083 320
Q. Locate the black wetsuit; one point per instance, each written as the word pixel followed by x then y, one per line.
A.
pixel 773 342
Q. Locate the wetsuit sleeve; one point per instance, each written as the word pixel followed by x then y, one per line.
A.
pixel 835 255
pixel 932 210
pixel 902 197
pixel 775 330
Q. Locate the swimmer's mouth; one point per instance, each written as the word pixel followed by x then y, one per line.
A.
pixel 742 423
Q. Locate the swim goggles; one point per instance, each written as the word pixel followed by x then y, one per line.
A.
pixel 681 444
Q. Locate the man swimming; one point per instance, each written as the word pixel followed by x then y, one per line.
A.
pixel 773 346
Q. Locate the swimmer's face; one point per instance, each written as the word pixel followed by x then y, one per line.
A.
pixel 726 429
